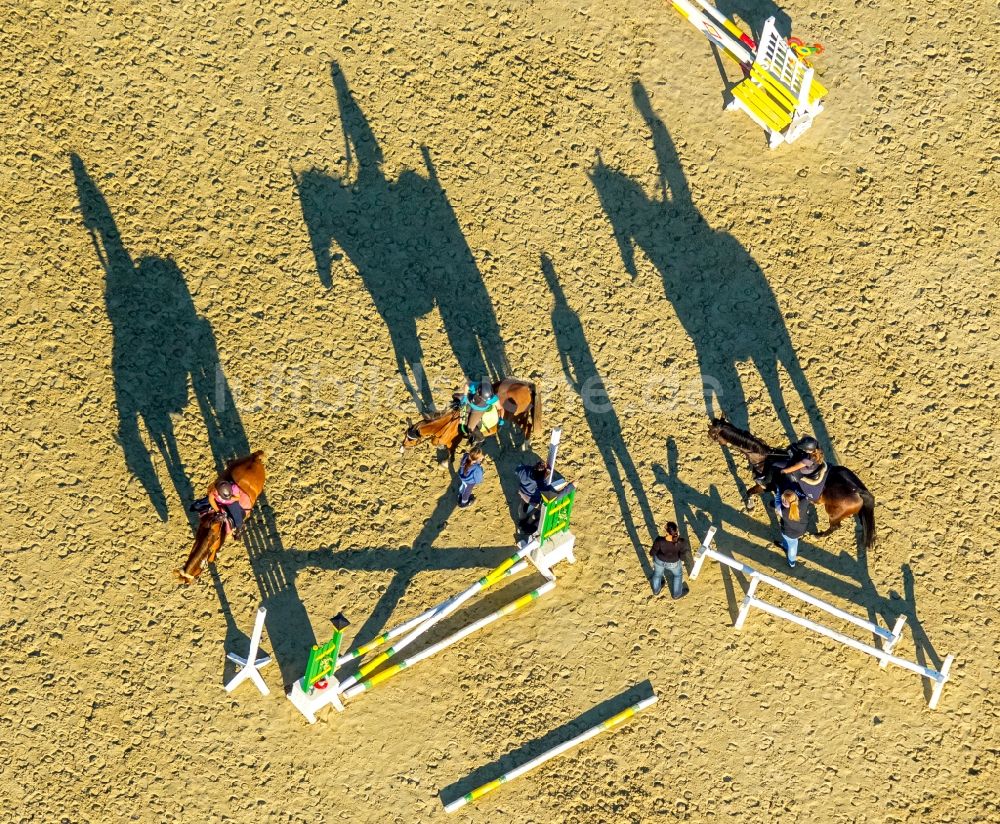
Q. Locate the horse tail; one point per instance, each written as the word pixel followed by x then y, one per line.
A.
pixel 867 516
pixel 867 513
pixel 536 409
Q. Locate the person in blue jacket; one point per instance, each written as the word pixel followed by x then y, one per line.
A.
pixel 470 475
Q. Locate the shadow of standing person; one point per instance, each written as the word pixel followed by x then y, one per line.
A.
pixel 581 373
pixel 719 293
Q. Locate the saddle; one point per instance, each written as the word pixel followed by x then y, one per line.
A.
pixel 204 510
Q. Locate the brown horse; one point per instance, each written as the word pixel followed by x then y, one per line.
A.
pixel 844 496
pixel 520 403
pixel 248 474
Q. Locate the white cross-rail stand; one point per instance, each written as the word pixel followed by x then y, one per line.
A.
pixel 250 665
pixel 888 638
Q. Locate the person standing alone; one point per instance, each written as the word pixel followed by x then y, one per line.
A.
pixel 667 553
pixel 470 475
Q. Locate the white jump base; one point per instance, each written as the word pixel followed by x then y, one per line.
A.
pixel 250 666
pixel 889 638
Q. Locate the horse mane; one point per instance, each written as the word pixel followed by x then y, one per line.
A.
pixel 742 439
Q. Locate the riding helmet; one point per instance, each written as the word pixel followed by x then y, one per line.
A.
pixel 485 390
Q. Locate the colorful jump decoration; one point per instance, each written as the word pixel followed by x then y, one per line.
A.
pixel 507 777
pixel 323 659
pixel 558 507
pixel 779 91
pixel 805 50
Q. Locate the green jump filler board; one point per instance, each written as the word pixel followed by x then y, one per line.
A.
pixel 558 506
pixel 322 660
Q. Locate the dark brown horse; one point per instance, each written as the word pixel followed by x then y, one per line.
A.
pixel 520 403
pixel 844 496
pixel 248 474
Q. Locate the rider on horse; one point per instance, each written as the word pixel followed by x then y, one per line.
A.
pixel 807 472
pixel 225 496
pixel 479 408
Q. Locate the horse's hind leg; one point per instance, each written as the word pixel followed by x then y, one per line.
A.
pixel 834 525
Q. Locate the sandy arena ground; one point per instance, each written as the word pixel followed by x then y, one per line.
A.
pixel 228 224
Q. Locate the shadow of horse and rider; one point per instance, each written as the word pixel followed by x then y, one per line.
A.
pixel 719 293
pixel 727 308
pixel 406 244
pixel 163 351
pixel 404 240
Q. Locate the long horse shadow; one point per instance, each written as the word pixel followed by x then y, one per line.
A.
pixel 719 293
pixel 159 338
pixel 405 242
pixel 582 375
pixel 161 347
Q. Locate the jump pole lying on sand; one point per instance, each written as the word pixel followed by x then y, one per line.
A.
pixel 439 614
pixel 889 638
pixel 507 777
pixel 455 637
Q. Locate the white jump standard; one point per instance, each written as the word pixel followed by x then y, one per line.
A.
pixel 250 665
pixel 889 639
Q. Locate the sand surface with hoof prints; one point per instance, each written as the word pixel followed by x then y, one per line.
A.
pixel 229 225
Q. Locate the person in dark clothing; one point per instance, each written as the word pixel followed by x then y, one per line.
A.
pixel 531 482
pixel 667 553
pixel 807 472
pixel 794 517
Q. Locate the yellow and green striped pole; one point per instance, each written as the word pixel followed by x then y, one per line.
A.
pixel 387 673
pixel 439 614
pixel 507 777
pixel 375 643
